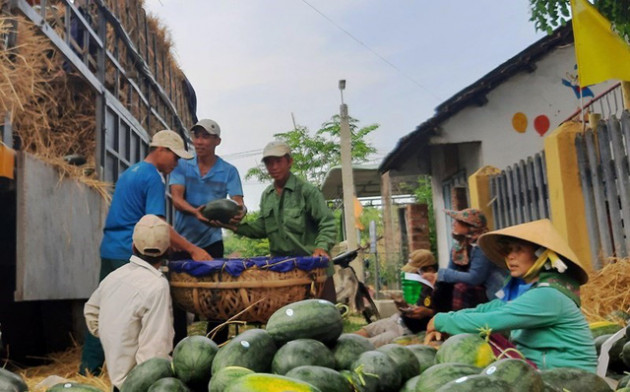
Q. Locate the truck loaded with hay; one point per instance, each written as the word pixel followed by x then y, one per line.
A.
pixel 83 86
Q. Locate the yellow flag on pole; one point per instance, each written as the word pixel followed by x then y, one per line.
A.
pixel 600 52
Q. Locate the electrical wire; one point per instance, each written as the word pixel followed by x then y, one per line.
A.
pixel 382 58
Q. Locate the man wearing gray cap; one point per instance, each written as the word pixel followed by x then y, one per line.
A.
pixel 293 214
pixel 194 183
pixel 206 177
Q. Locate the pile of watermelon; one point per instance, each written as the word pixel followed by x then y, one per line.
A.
pixel 619 353
pixel 303 348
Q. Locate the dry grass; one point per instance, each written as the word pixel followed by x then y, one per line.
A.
pixel 64 364
pixel 607 291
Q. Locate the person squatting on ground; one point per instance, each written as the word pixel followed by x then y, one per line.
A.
pixel 544 322
pixel 410 319
pixel 131 310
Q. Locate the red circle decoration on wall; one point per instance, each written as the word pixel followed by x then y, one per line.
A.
pixel 541 124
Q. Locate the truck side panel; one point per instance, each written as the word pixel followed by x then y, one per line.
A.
pixel 59 230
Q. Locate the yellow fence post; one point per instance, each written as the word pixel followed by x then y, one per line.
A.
pixel 566 201
pixel 479 187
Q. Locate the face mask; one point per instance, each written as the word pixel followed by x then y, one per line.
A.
pixel 458 237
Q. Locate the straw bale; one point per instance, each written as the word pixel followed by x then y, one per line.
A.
pixel 64 364
pixel 607 291
pixel 53 114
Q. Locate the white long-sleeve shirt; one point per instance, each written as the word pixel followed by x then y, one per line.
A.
pixel 131 312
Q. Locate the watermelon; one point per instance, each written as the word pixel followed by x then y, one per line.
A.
pixel 253 349
pixel 168 384
pixel 378 369
pixel 308 319
pixel 225 377
pixel 517 372
pixel 624 381
pixel 551 388
pixel 425 355
pixel 625 354
pixel 221 210
pixel 616 361
pixel 261 382
pixel 437 375
pixel 10 381
pixel 465 348
pixel 405 360
pixel 410 385
pixel 348 348
pixel 574 379
pixel 192 359
pixel 71 387
pixel 142 376
pixel 326 379
pixel 476 383
pixel 302 352
pixel 599 328
pixel 406 340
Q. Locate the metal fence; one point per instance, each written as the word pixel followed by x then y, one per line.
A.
pixel 605 179
pixel 519 193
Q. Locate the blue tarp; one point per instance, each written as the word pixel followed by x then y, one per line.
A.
pixel 235 267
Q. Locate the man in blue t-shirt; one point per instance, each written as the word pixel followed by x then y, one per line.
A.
pixel 194 183
pixel 139 191
pixel 204 178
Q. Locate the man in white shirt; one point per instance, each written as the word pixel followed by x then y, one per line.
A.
pixel 131 310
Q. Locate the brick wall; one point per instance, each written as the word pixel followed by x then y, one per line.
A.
pixel 417 219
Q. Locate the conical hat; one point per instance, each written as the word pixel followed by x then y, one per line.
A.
pixel 540 232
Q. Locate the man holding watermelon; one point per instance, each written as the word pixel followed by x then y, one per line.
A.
pixel 293 214
pixel 204 178
pixel 194 183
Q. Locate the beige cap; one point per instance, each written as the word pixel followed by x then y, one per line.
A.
pixel 151 236
pixel 276 148
pixel 209 126
pixel 172 141
pixel 417 259
pixel 541 233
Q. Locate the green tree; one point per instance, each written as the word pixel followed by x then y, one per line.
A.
pixel 239 246
pixel 547 15
pixel 314 154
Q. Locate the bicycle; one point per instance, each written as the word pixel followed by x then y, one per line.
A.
pixel 363 299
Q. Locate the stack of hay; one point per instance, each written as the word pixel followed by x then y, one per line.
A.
pixel 606 295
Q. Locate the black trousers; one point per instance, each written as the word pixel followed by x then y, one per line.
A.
pixel 215 250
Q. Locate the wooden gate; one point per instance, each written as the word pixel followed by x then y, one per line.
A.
pixel 519 193
pixel 605 179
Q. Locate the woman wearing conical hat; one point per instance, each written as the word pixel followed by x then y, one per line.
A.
pixel 545 322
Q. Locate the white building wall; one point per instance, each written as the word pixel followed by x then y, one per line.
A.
pixel 539 93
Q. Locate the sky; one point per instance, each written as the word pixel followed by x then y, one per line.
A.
pixel 258 65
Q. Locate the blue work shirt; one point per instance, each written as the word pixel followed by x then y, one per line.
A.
pixel 139 191
pixel 221 180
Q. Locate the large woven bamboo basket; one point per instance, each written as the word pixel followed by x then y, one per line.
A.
pixel 220 296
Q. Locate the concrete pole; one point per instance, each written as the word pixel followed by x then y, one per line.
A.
pixel 348 184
